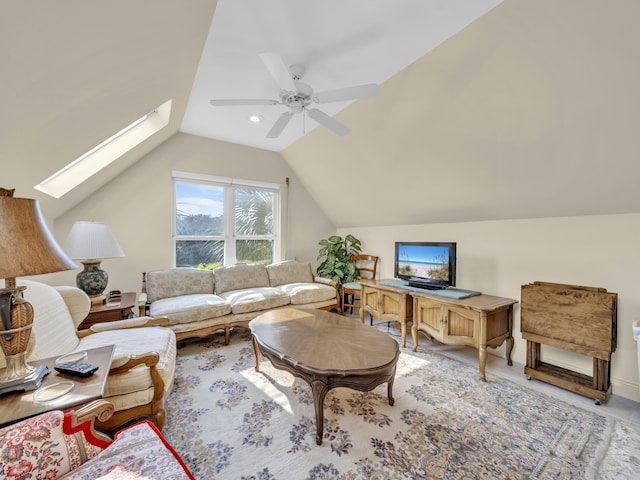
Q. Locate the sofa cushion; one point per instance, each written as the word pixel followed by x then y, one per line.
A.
pixel 289 271
pixel 174 282
pixel 190 308
pixel 256 299
pixel 303 293
pixel 139 451
pixel 240 277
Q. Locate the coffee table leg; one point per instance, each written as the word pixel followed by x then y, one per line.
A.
pixel 390 389
pixel 319 390
pixel 256 350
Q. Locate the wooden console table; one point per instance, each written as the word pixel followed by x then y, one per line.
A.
pixel 386 303
pixel 479 322
pixel 575 318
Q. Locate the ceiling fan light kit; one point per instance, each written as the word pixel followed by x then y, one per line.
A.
pixel 299 96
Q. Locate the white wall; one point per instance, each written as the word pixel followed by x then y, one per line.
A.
pixel 495 257
pixel 498 257
pixel 137 206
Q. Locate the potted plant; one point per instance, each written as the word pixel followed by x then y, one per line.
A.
pixel 335 255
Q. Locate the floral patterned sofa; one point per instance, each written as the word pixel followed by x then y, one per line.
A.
pixel 200 302
pixel 57 445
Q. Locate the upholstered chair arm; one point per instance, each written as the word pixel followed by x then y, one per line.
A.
pixel 77 302
pixel 325 281
pixel 150 359
pixel 136 322
pixel 85 417
pixel 331 283
pixel 124 364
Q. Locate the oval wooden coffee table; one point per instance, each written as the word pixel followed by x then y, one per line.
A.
pixel 327 351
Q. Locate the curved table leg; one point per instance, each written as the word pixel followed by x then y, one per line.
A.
pixel 482 356
pixel 390 390
pixel 509 350
pixel 319 390
pixel 256 350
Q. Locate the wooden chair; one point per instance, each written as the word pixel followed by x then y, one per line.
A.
pixel 367 266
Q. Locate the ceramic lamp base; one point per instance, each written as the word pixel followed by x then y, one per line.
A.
pixel 92 279
pixel 98 299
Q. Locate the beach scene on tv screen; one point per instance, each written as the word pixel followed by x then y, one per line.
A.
pixel 429 261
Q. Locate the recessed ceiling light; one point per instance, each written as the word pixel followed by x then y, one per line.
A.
pixel 256 118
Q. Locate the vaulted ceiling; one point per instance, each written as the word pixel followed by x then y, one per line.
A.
pixel 334 44
pixel 530 110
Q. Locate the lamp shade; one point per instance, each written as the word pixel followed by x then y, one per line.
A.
pixel 91 240
pixel 26 244
pixel 26 248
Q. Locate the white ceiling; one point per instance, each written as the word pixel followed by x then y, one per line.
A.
pixel 339 44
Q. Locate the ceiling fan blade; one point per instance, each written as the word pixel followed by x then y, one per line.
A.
pixel 232 102
pixel 278 127
pixel 279 71
pixel 327 121
pixel 348 93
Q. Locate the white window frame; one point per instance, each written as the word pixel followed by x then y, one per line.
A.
pixel 229 236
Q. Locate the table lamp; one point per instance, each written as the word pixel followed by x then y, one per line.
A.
pixel 91 242
pixel 26 248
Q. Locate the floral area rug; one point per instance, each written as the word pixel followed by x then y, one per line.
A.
pixel 228 421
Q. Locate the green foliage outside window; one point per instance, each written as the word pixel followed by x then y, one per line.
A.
pixel 205 247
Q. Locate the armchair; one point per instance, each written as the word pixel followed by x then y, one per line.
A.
pixel 57 445
pixel 143 363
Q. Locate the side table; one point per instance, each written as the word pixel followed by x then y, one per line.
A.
pixel 110 311
pixel 16 406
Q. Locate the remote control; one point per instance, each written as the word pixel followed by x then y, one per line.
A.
pixel 77 369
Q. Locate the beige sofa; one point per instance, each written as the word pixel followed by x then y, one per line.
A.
pixel 200 302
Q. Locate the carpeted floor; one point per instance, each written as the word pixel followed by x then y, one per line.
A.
pixel 229 422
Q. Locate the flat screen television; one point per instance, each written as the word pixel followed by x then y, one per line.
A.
pixel 429 265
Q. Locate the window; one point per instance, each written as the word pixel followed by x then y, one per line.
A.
pixel 224 221
pixel 105 153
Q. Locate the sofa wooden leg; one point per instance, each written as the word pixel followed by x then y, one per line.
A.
pixel 227 335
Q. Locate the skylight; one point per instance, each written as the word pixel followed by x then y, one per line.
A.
pixel 105 153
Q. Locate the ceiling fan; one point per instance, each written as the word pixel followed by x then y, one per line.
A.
pixel 299 96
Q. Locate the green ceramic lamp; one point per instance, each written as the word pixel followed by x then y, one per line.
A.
pixel 90 243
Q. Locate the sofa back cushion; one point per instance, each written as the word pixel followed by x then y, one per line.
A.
pixel 174 282
pixel 239 277
pixel 289 271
